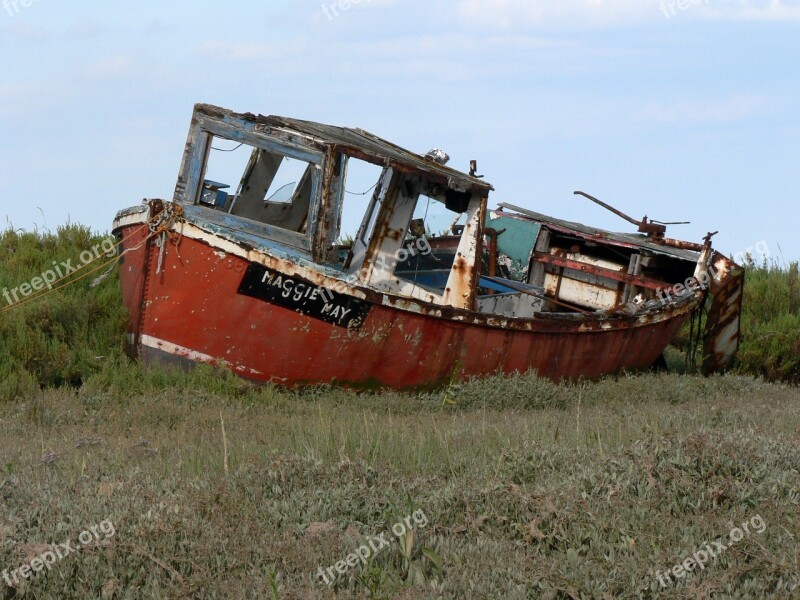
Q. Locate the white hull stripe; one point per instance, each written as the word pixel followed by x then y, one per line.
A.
pixel 175 349
pixel 193 355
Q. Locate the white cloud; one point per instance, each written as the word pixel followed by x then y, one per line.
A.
pixel 526 42
pixel 510 14
pixel 753 10
pixel 441 55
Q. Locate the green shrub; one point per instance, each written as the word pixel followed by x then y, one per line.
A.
pixel 67 335
pixel 770 345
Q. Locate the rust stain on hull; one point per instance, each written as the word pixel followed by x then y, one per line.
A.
pixel 721 335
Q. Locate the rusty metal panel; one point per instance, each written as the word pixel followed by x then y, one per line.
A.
pixel 722 331
pixel 582 289
pixel 462 282
pixel 514 244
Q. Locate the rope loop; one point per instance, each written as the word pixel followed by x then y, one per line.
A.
pixel 163 215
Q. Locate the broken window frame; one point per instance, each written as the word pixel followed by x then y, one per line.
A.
pixel 189 188
pixel 400 193
pixel 322 224
pixel 366 229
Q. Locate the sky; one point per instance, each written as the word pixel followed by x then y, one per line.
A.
pixel 681 110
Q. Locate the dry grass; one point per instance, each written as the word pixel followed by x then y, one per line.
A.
pixel 531 489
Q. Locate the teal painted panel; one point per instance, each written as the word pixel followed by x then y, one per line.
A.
pixel 515 245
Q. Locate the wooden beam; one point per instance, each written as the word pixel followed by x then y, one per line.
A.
pixel 566 263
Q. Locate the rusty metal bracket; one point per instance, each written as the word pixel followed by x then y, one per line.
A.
pixel 492 234
pixel 654 229
pixel 473 169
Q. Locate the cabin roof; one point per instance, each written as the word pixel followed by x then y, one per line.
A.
pixel 601 235
pixel 361 144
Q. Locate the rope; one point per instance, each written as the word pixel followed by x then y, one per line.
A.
pixel 161 242
pixel 158 224
pixel 164 219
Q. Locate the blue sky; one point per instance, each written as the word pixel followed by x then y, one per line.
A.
pixel 683 111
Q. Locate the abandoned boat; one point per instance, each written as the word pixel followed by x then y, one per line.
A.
pixel 431 287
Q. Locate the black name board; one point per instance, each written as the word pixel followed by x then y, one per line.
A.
pixel 302 296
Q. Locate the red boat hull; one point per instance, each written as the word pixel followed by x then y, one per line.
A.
pixel 189 309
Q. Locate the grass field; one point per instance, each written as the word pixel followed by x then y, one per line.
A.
pixel 518 487
pixel 528 489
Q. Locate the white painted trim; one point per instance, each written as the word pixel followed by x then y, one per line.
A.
pixel 133 219
pixel 170 348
